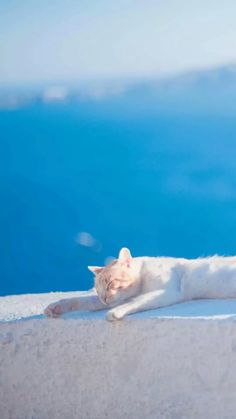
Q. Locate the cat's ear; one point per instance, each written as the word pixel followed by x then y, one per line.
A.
pixel 95 269
pixel 125 255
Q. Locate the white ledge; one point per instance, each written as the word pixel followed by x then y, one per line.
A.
pixel 176 362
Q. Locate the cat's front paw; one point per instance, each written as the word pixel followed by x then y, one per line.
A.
pixel 114 314
pixel 54 309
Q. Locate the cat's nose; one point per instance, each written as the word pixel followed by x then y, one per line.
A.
pixel 103 299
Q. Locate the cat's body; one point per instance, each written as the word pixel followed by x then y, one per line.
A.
pixel 129 285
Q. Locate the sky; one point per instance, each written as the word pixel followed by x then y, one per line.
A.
pixel 103 39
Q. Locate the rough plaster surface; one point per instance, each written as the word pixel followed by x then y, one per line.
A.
pixel 177 362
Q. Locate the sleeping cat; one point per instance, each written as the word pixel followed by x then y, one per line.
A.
pixel 128 285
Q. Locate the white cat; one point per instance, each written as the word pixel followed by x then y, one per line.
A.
pixel 128 285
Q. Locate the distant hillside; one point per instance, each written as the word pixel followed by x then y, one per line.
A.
pixel 212 89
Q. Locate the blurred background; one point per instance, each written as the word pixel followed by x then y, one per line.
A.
pixel 117 128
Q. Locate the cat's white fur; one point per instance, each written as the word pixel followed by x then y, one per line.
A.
pixel 132 284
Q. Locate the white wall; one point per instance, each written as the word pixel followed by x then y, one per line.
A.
pixel 147 366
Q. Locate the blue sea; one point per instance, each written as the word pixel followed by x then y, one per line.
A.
pixel 82 178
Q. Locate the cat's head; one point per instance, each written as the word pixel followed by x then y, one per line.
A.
pixel 117 281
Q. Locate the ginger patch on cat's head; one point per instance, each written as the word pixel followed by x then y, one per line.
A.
pixel 112 280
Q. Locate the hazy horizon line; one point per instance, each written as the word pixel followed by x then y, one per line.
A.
pixel 128 79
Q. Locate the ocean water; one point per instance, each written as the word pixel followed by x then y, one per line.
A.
pixel 80 179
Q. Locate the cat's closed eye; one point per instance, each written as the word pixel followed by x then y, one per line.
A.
pixel 114 285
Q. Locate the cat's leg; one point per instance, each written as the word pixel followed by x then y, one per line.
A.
pixel 148 301
pixel 83 303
